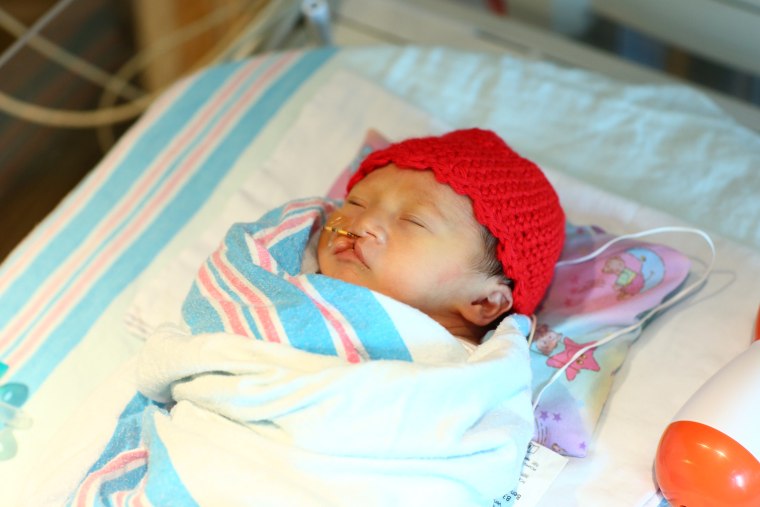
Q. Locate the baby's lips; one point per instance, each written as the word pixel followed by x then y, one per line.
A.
pixel 344 244
pixel 359 250
pixel 341 244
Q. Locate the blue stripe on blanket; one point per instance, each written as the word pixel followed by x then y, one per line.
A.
pixel 377 334
pixel 164 486
pixel 126 482
pixel 128 429
pixel 197 307
pixel 295 240
pixel 135 429
pixel 126 437
pixel 234 296
pixel 172 217
pixel 301 321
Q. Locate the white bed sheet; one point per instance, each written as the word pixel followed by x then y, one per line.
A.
pixel 623 157
pixel 647 393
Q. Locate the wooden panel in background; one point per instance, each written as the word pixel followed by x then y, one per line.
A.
pixel 158 22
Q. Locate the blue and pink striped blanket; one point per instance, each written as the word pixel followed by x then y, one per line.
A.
pixel 291 388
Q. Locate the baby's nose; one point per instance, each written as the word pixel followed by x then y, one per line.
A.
pixel 370 225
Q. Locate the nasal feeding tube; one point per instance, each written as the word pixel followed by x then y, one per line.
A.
pixel 334 228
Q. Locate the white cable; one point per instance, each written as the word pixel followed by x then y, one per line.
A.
pixel 144 57
pixel 533 325
pixel 72 118
pixel 66 59
pixel 32 32
pixel 662 306
pixel 264 18
pixel 104 116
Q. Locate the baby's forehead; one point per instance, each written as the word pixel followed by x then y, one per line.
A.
pixel 421 188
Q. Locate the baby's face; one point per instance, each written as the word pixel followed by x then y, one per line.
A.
pixel 418 240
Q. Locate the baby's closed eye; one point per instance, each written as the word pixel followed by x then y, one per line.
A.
pixel 355 202
pixel 414 220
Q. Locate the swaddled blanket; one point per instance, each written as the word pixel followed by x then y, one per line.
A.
pixel 298 389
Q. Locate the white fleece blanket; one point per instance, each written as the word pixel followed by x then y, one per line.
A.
pixel 257 423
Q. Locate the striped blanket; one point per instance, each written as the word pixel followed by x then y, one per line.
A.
pixel 284 387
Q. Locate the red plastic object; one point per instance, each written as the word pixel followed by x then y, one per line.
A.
pixel 757 325
pixel 698 466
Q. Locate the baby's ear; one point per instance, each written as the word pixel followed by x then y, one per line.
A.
pixel 496 300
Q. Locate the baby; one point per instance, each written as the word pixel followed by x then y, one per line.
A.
pixel 330 393
pixel 458 226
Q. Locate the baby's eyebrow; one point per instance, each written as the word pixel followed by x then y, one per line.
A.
pixel 429 204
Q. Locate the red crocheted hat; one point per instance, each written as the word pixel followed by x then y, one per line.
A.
pixel 510 196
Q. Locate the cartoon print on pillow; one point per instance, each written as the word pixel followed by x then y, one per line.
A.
pixel 585 361
pixel 585 302
pixel 621 275
pixel 636 270
pixel 559 423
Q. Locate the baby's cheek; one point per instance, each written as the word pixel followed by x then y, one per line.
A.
pixel 324 236
pixel 449 275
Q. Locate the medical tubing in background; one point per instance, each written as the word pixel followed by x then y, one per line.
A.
pixel 39 114
pixel 108 115
pixel 115 85
pixel 29 37
pixel 57 117
pixel 271 15
pixel 22 40
pixel 680 295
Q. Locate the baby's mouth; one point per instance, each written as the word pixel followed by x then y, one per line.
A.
pixel 349 247
pixel 358 250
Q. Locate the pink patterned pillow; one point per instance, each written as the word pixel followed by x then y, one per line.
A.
pixel 585 303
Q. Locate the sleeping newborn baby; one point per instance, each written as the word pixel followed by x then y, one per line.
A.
pixel 341 353
pixel 458 226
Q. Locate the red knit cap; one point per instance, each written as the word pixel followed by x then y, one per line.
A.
pixel 510 196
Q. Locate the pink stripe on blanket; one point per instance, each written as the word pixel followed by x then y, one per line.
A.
pixel 39 238
pixel 261 257
pixel 119 466
pixel 134 497
pixel 263 309
pixel 264 239
pixel 95 269
pixel 121 210
pixel 226 309
pixel 286 229
pixel 138 497
pixel 333 318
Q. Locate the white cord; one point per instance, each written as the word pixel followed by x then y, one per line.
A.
pixel 533 325
pixel 662 306
pixel 265 16
pixel 32 32
pixel 114 85
pixel 104 115
pixel 66 59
